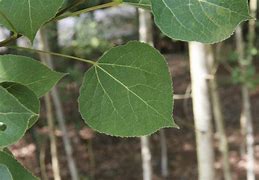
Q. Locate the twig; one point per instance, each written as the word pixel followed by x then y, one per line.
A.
pixel 110 4
pixel 10 39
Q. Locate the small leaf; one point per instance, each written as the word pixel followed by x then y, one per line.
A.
pixel 27 16
pixel 199 20
pixel 17 171
pixel 146 4
pixel 26 97
pixel 14 116
pixel 28 72
pixel 5 174
pixel 128 92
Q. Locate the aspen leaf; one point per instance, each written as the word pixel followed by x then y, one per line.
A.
pixel 17 171
pixel 207 21
pixel 128 92
pixel 28 72
pixel 5 174
pixel 27 16
pixel 26 97
pixel 14 116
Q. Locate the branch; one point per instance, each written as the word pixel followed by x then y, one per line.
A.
pixel 110 4
pixel 14 37
pixel 72 5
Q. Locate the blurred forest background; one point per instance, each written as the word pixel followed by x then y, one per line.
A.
pixel 46 149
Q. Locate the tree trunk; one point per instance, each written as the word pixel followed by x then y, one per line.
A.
pixel 217 113
pixel 246 116
pixel 145 35
pixel 53 143
pixel 59 113
pixel 247 109
pixel 164 157
pixel 202 111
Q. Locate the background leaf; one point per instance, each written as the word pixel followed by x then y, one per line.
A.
pixel 5 174
pixel 128 92
pixel 28 72
pixel 34 13
pixel 17 170
pixel 199 20
pixel 14 116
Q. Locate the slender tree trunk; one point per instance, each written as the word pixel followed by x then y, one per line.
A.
pixel 59 113
pixel 53 143
pixel 202 111
pixel 245 60
pixel 217 112
pixel 247 116
pixel 241 56
pixel 43 171
pixel 51 126
pixel 145 35
pixel 146 158
pixel 164 157
pixel 250 131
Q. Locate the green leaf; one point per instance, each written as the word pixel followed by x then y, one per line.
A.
pixel 206 21
pixel 146 4
pixel 28 72
pixel 5 174
pixel 128 92
pixel 27 16
pixel 15 168
pixel 6 150
pixel 14 116
pixel 26 97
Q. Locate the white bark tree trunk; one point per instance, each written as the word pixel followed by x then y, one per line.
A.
pixel 51 122
pixel 246 115
pixel 59 113
pixel 247 108
pixel 164 156
pixel 145 35
pixel 52 137
pixel 218 114
pixel 202 110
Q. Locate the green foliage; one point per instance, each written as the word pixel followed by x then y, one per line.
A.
pixel 96 42
pixel 23 80
pixel 27 16
pixel 18 172
pixel 199 20
pixel 26 97
pixel 26 71
pixel 248 77
pixel 128 92
pixel 5 173
pixel 15 116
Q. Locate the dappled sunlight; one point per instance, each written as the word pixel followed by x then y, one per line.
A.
pixel 25 152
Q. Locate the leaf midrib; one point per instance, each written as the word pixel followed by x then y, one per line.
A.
pixel 30 15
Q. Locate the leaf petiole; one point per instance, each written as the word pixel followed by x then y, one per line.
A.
pixel 55 54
